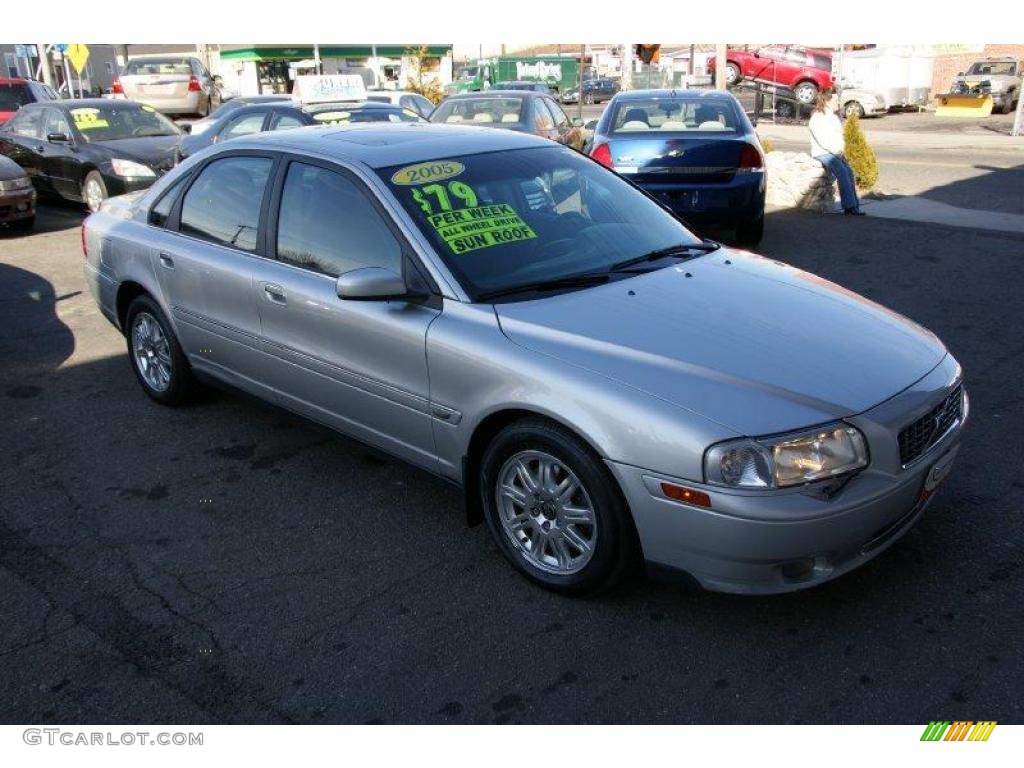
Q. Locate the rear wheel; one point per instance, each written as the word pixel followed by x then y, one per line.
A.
pixel 1010 104
pixel 159 362
pixel 806 92
pixel 94 190
pixel 588 99
pixel 853 109
pixel 553 509
pixel 750 233
pixel 732 74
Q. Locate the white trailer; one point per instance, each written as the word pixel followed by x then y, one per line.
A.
pixel 901 74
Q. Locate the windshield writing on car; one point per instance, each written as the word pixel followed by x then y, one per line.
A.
pixel 519 217
pixel 108 123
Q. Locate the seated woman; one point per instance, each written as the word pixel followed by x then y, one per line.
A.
pixel 828 145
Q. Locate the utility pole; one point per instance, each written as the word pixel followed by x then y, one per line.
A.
pixel 44 62
pixel 579 71
pixel 720 63
pixel 1018 118
pixel 627 67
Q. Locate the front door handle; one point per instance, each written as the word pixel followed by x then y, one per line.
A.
pixel 274 293
pixel 166 261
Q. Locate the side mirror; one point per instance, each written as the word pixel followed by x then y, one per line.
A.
pixel 58 138
pixel 372 284
pixel 590 125
pixel 186 127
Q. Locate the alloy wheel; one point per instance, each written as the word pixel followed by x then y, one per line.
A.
pixel 151 351
pixel 93 194
pixel 546 512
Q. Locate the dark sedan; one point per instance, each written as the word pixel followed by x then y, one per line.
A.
pixel 17 197
pixel 281 115
pixel 695 151
pixel 594 91
pixel 523 111
pixel 89 149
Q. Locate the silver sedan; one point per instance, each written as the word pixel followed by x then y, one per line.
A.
pixel 607 388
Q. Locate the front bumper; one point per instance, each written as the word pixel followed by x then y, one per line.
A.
pixel 761 543
pixel 18 205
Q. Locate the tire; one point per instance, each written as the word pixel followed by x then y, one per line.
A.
pixel 588 99
pixel 1010 104
pixel 611 546
pixel 732 74
pixel 93 196
pixel 806 92
pixel 23 225
pixel 750 233
pixel 144 347
pixel 852 108
pixel 784 110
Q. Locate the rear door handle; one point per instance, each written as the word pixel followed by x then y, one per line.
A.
pixel 274 293
pixel 166 261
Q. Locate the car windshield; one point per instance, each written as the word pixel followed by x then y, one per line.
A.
pixel 13 96
pixel 675 114
pixel 108 122
pixel 469 73
pixel 485 110
pixel 342 114
pixel 992 68
pixel 502 220
pixel 170 66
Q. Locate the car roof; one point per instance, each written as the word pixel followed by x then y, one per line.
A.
pixel 379 145
pixel 74 103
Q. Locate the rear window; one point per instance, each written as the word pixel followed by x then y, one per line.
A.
pixel 820 61
pixel 170 66
pixel 675 114
pixel 340 115
pixel 482 111
pixel 14 96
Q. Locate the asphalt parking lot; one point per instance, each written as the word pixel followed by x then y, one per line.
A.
pixel 228 562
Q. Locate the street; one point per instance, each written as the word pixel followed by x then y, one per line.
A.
pixel 229 562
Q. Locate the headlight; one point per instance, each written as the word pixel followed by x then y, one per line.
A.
pixel 13 185
pixel 779 462
pixel 130 169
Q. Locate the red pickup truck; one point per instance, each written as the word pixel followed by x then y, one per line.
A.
pixel 16 91
pixel 806 71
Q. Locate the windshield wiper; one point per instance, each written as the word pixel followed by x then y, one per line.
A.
pixel 705 247
pixel 572 281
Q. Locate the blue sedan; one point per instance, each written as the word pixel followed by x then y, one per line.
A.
pixel 694 151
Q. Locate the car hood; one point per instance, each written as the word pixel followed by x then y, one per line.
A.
pixel 755 345
pixel 154 151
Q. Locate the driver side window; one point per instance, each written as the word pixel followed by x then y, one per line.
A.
pixel 243 126
pixel 55 122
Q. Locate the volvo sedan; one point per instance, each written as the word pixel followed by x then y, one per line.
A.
pixel 504 312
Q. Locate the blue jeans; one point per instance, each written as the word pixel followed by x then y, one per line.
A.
pixel 840 169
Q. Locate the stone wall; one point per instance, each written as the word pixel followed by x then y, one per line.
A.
pixel 797 180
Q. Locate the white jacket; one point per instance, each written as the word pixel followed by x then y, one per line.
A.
pixel 826 134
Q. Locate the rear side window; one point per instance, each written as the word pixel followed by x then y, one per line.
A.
pixel 158 213
pixel 327 224
pixel 675 114
pixel 28 123
pixel 223 205
pixel 243 126
pixel 14 96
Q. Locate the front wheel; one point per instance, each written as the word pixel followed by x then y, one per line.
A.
pixel 554 511
pixel 94 190
pixel 158 360
pixel 853 109
pixel 588 99
pixel 806 92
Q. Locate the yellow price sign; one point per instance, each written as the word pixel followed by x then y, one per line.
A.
pixel 78 55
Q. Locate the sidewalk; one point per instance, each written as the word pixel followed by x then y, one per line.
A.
pixel 917 140
pixel 935 212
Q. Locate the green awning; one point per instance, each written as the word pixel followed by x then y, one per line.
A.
pixel 299 52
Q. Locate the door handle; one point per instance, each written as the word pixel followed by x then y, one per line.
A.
pixel 166 261
pixel 274 293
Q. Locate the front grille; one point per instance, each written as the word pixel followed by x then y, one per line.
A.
pixel 918 437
